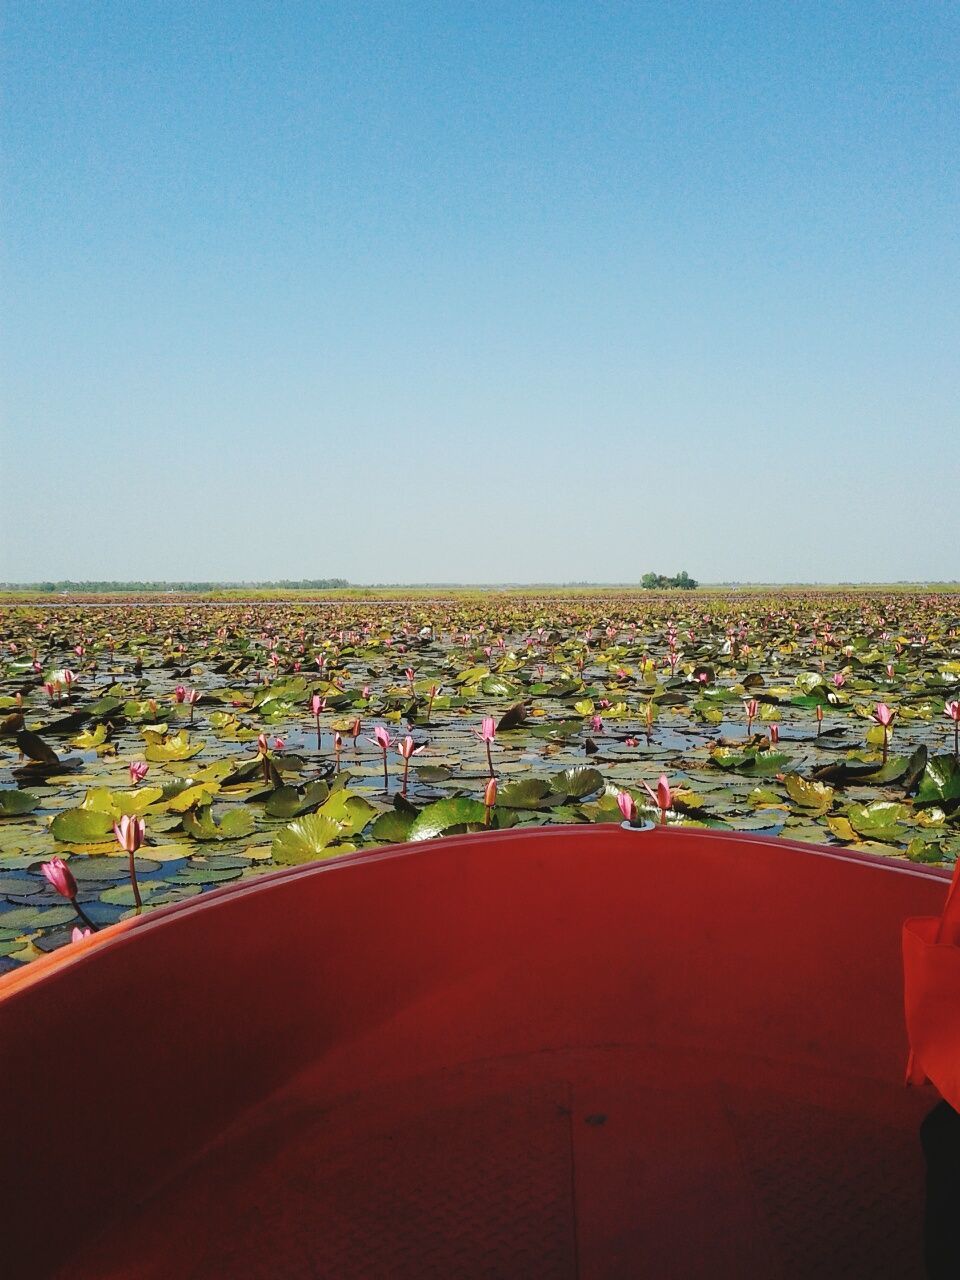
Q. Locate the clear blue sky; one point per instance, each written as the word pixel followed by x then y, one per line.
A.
pixel 488 291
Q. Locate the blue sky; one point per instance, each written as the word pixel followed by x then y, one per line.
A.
pixel 480 292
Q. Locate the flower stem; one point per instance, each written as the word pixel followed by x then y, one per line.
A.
pixel 489 758
pixel 83 915
pixel 133 882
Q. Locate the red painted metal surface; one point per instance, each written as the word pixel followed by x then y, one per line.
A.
pixel 550 1053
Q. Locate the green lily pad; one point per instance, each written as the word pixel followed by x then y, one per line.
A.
pixel 445 814
pixel 305 839
pixel 82 826
pixel 14 803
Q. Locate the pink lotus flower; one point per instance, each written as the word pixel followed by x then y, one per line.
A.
pixel 138 771
pixel 627 806
pixel 318 705
pixel 279 744
pixel 596 724
pixel 488 730
pixel 407 749
pixel 839 679
pixel 382 740
pixel 262 745
pixel 662 797
pixel 130 833
pixel 179 693
pixel 61 877
pixel 486 734
pixel 753 710
pixel 952 711
pixel 884 717
pixel 774 734
pixel 78 934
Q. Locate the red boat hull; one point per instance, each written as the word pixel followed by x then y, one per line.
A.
pixel 550 1053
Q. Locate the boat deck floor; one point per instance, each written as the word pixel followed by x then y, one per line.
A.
pixel 604 1162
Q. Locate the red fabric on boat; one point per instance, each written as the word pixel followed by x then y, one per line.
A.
pixel 931 972
pixel 566 1051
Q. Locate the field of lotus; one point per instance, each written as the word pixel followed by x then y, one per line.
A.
pixel 151 751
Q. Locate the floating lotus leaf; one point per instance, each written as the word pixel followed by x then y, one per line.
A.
pixel 444 815
pixel 90 739
pixel 14 803
pixel 234 823
pixel 523 793
pixel 117 803
pixel 29 919
pixel 82 826
pixel 350 812
pixel 198 796
pixel 392 827
pixel 879 820
pixel 809 795
pixel 176 746
pixel 940 780
pixel 290 802
pixel 305 839
pixel 577 782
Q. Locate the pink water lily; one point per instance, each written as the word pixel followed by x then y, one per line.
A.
pixel 179 693
pixel 753 710
pixel 79 934
pixel 662 797
pixel 130 833
pixel 487 733
pixel 384 742
pixel 627 806
pixel 318 705
pixel 407 748
pixel 138 771
pixel 952 711
pixel 884 717
pixel 60 876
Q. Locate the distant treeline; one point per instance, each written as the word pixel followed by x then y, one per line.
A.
pixel 659 581
pixel 108 588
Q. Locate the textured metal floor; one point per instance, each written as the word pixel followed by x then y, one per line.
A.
pixel 600 1163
